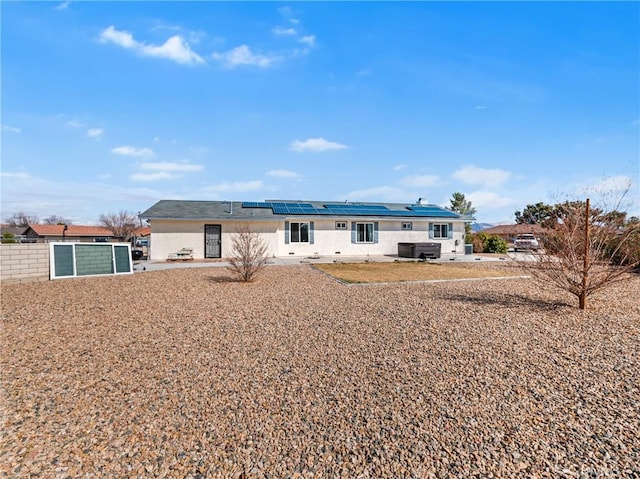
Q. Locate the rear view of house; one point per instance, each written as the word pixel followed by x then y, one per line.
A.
pixel 301 228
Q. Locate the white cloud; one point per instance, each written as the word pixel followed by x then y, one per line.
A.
pixel 472 175
pixel 315 144
pixel 132 151
pixel 82 201
pixel 399 167
pixel 309 40
pixel 243 55
pixel 175 48
pixel 15 176
pixel 380 193
pixel 279 31
pixel 488 200
pixel 11 129
pixel 421 181
pixel 62 6
pixel 74 123
pixel 158 175
pixel 166 166
pixel 235 187
pixel 295 21
pixel 283 174
pixel 95 132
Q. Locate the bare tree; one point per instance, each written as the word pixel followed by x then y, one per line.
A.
pixel 56 220
pixel 580 248
pixel 22 219
pixel 249 254
pixel 121 224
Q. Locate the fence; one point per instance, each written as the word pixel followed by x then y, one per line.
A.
pixel 21 263
pixel 25 262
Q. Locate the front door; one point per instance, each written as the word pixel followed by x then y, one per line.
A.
pixel 212 241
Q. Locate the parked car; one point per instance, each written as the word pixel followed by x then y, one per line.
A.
pixel 526 242
pixel 140 242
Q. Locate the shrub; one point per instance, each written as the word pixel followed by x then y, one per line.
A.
pixel 478 243
pixel 249 254
pixel 484 243
pixel 8 238
pixel 495 244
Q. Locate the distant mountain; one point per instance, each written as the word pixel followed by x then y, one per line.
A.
pixel 475 227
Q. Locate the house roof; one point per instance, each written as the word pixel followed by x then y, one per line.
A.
pixel 513 229
pixel 279 209
pixel 72 230
pixel 14 230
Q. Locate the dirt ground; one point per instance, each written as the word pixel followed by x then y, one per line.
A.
pixel 187 373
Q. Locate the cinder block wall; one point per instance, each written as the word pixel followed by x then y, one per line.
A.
pixel 24 262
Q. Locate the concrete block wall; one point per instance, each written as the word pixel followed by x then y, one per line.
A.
pixel 24 262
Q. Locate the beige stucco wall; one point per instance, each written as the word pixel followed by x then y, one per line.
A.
pixel 168 237
pixel 24 262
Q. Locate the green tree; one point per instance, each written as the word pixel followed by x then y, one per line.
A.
pixel 540 213
pixel 459 204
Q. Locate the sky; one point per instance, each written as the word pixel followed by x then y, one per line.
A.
pixel 110 106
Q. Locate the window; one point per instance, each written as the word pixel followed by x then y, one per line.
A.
pixel 341 225
pixel 441 231
pixel 364 232
pixel 407 226
pixel 299 232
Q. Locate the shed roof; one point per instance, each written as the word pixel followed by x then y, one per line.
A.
pixel 516 229
pixel 279 209
pixel 72 230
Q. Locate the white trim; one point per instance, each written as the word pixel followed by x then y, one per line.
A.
pixel 52 262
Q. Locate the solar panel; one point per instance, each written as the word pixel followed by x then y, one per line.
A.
pixel 347 206
pixel 343 209
pixel 256 204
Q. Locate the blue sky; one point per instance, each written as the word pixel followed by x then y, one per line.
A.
pixel 115 105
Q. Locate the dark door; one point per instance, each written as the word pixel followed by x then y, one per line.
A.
pixel 212 241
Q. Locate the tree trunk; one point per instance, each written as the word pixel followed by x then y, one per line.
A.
pixel 585 267
pixel 582 300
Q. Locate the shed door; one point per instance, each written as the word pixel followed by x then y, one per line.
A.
pixel 212 241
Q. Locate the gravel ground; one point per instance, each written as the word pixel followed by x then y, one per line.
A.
pixel 185 373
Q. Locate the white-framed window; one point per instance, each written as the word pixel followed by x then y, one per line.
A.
pixel 341 225
pixel 299 232
pixel 440 230
pixel 364 233
pixel 407 226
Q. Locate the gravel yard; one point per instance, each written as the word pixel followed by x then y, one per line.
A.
pixel 185 373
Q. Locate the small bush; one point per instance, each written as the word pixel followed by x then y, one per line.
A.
pixel 8 238
pixel 495 244
pixel 478 244
pixel 484 243
pixel 249 254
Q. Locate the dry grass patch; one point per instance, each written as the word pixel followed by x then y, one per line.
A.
pixel 407 271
